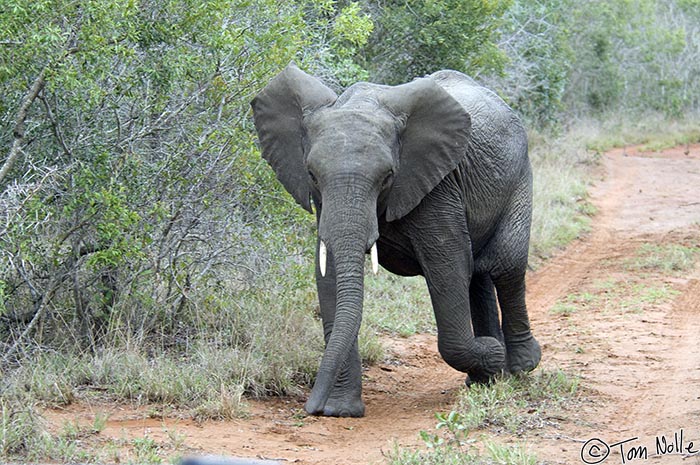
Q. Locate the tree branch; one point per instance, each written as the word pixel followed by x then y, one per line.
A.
pixel 56 128
pixel 41 308
pixel 19 128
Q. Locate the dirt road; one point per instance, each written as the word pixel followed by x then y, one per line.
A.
pixel 607 309
pixel 635 335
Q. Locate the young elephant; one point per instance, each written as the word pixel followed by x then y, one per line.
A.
pixel 431 178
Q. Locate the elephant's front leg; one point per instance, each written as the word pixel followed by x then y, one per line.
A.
pixel 480 357
pixel 346 398
pixel 443 248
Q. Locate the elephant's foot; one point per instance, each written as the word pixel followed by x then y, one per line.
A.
pixel 345 399
pixel 484 359
pixel 351 406
pixel 522 353
pixel 473 379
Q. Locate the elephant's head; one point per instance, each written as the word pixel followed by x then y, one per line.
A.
pixel 374 152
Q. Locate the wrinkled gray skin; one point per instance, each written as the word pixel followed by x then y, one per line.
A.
pixel 436 172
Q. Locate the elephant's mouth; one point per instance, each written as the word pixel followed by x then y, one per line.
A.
pixel 323 257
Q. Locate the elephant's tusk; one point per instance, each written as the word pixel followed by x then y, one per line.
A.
pixel 375 259
pixel 322 258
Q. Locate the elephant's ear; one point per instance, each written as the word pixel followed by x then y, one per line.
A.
pixel 433 141
pixel 278 111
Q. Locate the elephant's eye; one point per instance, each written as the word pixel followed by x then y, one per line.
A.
pixel 313 178
pixel 387 180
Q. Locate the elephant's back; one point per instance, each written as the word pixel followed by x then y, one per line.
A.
pixel 496 164
pixel 491 117
pixel 468 92
pixel 498 137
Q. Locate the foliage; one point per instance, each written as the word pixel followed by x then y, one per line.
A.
pixel 496 454
pixel 418 37
pixel 633 54
pixel 19 428
pixel 535 40
pixel 570 59
pixel 338 30
pixel 131 120
pixel 138 129
pixel 397 305
pixel 138 222
pixel 516 402
pixel 667 258
pixel 561 211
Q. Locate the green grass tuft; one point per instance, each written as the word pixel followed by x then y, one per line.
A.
pixel 666 258
pixel 505 454
pixel 514 402
pixel 572 303
pixel 496 454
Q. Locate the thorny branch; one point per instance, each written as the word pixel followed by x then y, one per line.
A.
pixel 19 128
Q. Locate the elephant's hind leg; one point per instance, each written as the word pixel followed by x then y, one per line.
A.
pixel 507 263
pixel 523 352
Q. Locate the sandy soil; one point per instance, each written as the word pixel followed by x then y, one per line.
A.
pixel 632 335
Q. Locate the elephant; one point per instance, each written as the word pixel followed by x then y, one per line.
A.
pixel 430 178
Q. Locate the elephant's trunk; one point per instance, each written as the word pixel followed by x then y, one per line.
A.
pixel 346 326
pixel 348 228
